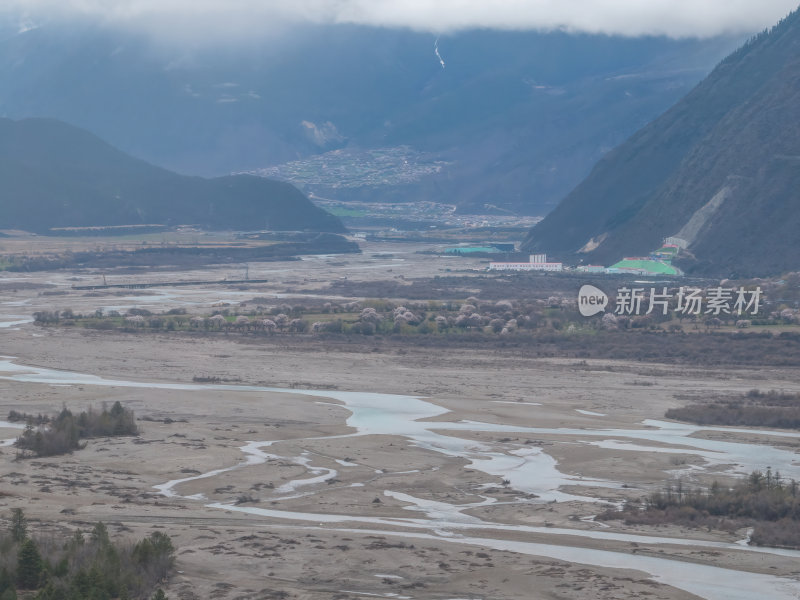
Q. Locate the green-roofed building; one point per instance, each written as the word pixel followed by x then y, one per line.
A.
pixel 644 266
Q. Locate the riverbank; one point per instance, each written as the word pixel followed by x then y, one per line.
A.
pixel 521 411
pixel 377 468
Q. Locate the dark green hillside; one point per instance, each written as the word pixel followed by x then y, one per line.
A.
pixel 56 175
pixel 732 146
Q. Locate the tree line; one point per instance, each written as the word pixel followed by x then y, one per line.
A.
pixel 83 566
pixel 764 500
pixel 756 409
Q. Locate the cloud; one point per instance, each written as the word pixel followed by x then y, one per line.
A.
pixel 237 19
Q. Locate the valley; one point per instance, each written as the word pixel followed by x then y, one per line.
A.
pixel 358 467
pixel 412 301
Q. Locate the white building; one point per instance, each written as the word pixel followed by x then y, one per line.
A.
pixel 676 241
pixel 591 269
pixel 538 262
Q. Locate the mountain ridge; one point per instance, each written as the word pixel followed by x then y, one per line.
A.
pixel 519 117
pixel 58 175
pixel 723 140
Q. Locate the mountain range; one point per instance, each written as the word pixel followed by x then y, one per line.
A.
pixel 505 121
pixel 719 172
pixel 55 175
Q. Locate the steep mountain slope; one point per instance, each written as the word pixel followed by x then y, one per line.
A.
pixel 517 118
pixel 719 170
pixel 56 175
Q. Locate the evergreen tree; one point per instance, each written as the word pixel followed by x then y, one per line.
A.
pixel 80 586
pixel 77 540
pixel 51 592
pixel 29 565
pixel 62 568
pixel 97 585
pixel 9 594
pixel 93 568
pixel 19 525
pixel 100 534
pixel 5 581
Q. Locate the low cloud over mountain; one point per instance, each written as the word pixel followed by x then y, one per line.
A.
pixel 209 20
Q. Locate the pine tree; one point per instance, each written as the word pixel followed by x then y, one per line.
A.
pixel 19 525
pixel 5 581
pixel 79 586
pixel 29 565
pixel 100 534
pixel 159 595
pixel 9 594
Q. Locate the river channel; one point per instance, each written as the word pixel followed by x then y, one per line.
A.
pixel 530 470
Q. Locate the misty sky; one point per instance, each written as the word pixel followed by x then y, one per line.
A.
pixel 214 19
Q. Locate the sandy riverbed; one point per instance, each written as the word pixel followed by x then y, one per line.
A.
pixel 402 519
